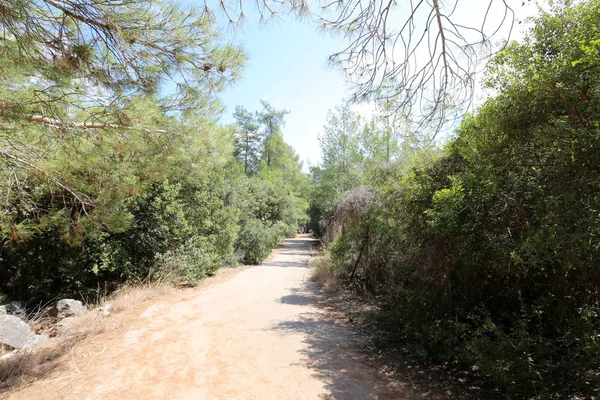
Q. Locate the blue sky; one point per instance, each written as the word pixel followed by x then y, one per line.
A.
pixel 287 67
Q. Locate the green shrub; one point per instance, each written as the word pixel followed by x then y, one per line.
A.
pixel 284 230
pixel 256 240
pixel 197 258
pixel 489 256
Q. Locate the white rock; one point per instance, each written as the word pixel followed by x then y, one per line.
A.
pixel 106 310
pixel 67 308
pixel 37 340
pixel 16 309
pixel 14 332
pixel 8 355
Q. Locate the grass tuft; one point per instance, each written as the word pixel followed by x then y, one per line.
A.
pixel 25 365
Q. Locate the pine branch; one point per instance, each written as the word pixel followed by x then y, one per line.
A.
pixel 84 200
pixel 78 17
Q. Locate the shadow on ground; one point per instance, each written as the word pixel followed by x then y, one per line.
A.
pixel 293 248
pixel 339 354
pixel 285 264
pixel 298 299
pixel 333 353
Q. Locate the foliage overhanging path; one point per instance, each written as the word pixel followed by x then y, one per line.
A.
pixel 259 335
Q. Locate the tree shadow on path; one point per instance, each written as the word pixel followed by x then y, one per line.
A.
pixel 335 353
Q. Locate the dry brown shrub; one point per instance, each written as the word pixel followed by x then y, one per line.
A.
pixel 129 295
pixel 326 274
pixel 356 202
pixel 32 363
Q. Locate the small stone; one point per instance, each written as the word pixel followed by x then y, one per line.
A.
pixel 106 310
pixel 2 310
pixel 37 340
pixel 8 355
pixel 67 308
pixel 16 309
pixel 14 332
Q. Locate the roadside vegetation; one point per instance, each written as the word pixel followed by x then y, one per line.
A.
pixel 483 252
pixel 481 247
pixel 18 368
pixel 115 166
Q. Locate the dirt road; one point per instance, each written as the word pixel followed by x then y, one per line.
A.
pixel 258 335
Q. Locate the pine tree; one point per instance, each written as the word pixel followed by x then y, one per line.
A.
pixel 94 99
pixel 247 140
pixel 272 121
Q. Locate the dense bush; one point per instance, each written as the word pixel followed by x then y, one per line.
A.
pixel 269 212
pixel 489 256
pixel 256 240
pixel 120 179
pixel 170 214
pixel 181 231
pixel 176 231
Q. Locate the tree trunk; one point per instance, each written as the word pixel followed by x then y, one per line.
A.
pixel 362 250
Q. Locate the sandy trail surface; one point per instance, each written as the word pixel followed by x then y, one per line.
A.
pixel 259 334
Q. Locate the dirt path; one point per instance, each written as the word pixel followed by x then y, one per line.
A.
pixel 259 335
